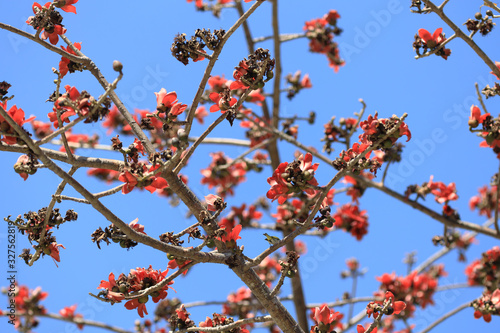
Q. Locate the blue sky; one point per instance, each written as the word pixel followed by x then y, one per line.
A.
pixel 380 68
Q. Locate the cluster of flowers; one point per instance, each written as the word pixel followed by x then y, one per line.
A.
pixel 443 194
pixel 487 305
pixel 239 303
pixel 48 20
pixel 388 307
pixel 416 289
pixel 129 285
pixel 349 218
pixel 290 211
pixel 161 124
pixel 483 24
pixel 454 239
pixel 242 215
pixel 228 231
pixel 114 234
pixel 292 178
pixel 357 189
pixel 33 226
pixel 72 102
pixel 27 306
pixel 486 202
pixel 183 50
pixel 374 130
pixel 320 33
pixel 223 175
pixel 251 73
pixel 137 173
pixel 432 42
pixel 484 272
pixel 334 133
pixel 69 313
pixel 490 130
pixel 297 83
pixel 269 269
pixel 221 320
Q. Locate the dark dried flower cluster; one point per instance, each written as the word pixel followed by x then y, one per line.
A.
pixel 333 132
pixel 33 226
pixel 183 49
pixel 4 88
pixel 483 24
pixel 491 91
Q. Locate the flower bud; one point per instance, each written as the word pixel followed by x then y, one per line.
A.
pixel 473 123
pixel 143 299
pixel 478 16
pixel 117 66
pixel 489 12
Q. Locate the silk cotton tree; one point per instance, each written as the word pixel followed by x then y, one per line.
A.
pixel 302 191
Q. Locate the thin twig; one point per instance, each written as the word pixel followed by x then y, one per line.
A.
pixel 429 261
pixel 283 37
pixel 277 288
pixel 355 126
pixel 446 316
pixel 86 322
pixel 226 328
pixel 45 44
pixel 191 150
pixel 48 213
pixel 480 98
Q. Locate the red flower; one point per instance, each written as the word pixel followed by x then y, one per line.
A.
pixel 66 5
pixel 63 64
pixel 231 235
pixel 150 182
pixel 167 102
pixel 200 113
pixel 54 35
pixel 136 304
pixel 113 290
pixel 53 251
pixel 431 40
pixel 104 174
pixel 326 319
pixel 361 329
pixel 443 193
pixel 222 102
pixel 398 306
pixel 214 202
pixel 198 3
pixel 136 226
pixel 69 312
pixel 306 82
pixel 178 263
pixel 289 178
pixel 238 73
pixel 129 180
pixel 351 219
pixel 18 116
